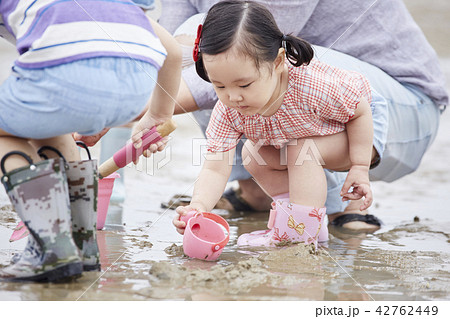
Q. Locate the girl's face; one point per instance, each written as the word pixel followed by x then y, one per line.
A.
pixel 241 86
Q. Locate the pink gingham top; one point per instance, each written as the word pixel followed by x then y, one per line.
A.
pixel 319 101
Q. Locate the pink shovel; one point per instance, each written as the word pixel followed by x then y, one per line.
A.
pixel 129 153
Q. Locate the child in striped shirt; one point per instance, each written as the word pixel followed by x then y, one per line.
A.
pixel 83 66
pixel 300 117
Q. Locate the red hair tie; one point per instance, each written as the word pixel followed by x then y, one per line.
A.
pixel 197 42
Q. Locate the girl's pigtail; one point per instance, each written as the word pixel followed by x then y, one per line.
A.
pixel 298 51
pixel 200 68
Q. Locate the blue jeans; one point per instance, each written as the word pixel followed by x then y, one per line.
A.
pixel 413 117
pixel 410 127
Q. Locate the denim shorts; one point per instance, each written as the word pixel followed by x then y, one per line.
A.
pixel 84 96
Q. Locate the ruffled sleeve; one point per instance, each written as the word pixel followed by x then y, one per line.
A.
pixel 221 133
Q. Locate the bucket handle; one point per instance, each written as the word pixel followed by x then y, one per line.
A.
pixel 51 148
pixel 220 220
pixel 5 157
pixel 41 154
pixel 83 145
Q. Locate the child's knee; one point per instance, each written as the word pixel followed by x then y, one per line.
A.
pixel 248 160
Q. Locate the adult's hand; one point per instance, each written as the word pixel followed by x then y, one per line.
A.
pixel 90 140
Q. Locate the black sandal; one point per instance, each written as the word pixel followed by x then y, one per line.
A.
pixel 347 218
pixel 231 195
pixel 239 204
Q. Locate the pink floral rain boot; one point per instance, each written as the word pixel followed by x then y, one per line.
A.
pixel 323 233
pixel 288 224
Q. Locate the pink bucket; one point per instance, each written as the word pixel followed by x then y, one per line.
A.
pixel 105 187
pixel 204 238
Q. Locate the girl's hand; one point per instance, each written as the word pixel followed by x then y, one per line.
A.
pixel 358 178
pixel 180 225
pixel 181 211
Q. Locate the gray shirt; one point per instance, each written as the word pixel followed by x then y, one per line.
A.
pixel 382 33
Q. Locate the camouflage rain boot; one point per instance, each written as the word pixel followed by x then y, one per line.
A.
pixel 82 177
pixel 83 188
pixel 39 194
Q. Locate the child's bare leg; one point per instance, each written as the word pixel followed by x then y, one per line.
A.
pixel 332 150
pixel 266 168
pixel 301 173
pixel 298 219
pixel 306 160
pixel 335 159
pixel 64 143
pixel 10 143
pixel 307 181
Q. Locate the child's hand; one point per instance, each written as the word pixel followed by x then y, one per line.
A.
pixel 358 178
pixel 180 225
pixel 141 128
pixel 181 211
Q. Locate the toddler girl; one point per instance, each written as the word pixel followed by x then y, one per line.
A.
pixel 300 116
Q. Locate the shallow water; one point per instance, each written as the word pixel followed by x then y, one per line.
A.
pixel 142 259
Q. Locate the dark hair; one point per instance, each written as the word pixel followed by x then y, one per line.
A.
pixel 251 27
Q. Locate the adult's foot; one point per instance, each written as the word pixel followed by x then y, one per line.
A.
pixel 248 197
pixel 353 219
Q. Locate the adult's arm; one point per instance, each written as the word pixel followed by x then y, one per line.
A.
pixel 291 16
pixel 175 12
pixel 163 98
pixel 185 101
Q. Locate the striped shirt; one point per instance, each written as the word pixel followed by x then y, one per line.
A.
pixel 319 100
pixel 53 32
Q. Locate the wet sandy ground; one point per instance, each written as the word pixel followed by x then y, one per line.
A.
pixel 142 258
